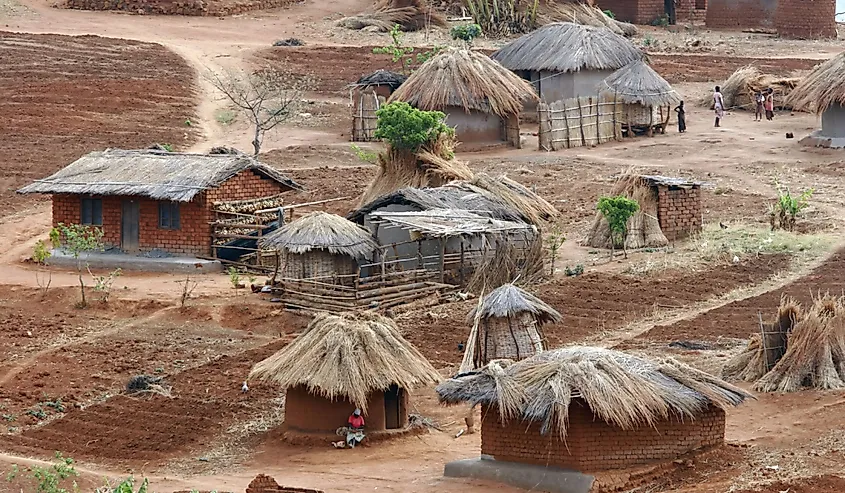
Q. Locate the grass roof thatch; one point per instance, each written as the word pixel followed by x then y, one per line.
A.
pixel 156 174
pixel 739 90
pixel 822 88
pixel 578 12
pixel 322 231
pixel 381 77
pixel 465 79
pixel 637 83
pixel 567 47
pixel 620 389
pixel 348 357
pixel 509 300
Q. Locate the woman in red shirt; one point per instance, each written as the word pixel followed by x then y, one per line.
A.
pixel 355 435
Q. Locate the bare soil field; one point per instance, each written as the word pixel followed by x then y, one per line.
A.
pixel 84 94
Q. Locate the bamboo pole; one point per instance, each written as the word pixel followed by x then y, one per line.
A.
pixel 581 122
pixel 566 125
pixel 598 122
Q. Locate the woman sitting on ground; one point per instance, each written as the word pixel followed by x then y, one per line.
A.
pixel 355 433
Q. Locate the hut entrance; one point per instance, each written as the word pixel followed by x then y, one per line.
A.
pixel 669 8
pixel 393 408
pixel 364 119
pixel 130 219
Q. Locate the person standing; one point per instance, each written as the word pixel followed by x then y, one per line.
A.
pixel 719 105
pixel 770 104
pixel 682 117
pixel 759 99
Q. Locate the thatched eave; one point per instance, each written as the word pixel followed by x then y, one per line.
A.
pixel 509 301
pixel 637 83
pixel 322 231
pixel 822 88
pixel 381 77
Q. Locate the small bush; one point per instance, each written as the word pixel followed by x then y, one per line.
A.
pixel 40 254
pixel 234 276
pixel 363 155
pixel 466 32
pixel 140 383
pixel 574 271
pixel 289 42
pixel 617 210
pixel 406 127
pixel 662 21
pixel 783 214
pixel 51 479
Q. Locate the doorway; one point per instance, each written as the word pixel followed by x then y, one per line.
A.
pixel 669 8
pixel 393 407
pixel 130 218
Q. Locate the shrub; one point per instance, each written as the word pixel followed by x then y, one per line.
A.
pixel 617 210
pixel 40 254
pixel 77 239
pixel 784 212
pixel 574 271
pixel 662 21
pixel 406 127
pixel 466 32
pixel 52 478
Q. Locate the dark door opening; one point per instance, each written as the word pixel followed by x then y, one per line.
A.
pixel 393 408
pixel 669 8
pixel 130 219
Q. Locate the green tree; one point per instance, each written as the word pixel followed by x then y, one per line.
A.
pixel 406 127
pixel 77 239
pixel 466 32
pixel 617 210
pixel 404 55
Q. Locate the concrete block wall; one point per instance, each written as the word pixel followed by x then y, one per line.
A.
pixel 591 445
pixel 170 7
pixel 679 211
pixel 741 14
pixel 806 19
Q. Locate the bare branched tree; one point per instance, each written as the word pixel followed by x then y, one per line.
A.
pixel 267 97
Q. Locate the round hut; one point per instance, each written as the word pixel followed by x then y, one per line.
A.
pixel 563 60
pixel 320 244
pixel 368 94
pixel 645 96
pixel 480 98
pixel 591 409
pixel 823 92
pixel 345 362
pixel 508 325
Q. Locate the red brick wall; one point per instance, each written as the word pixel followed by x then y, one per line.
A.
pixel 741 14
pixel 806 19
pixel 592 445
pixel 691 11
pixel 679 211
pixel 635 11
pixel 194 236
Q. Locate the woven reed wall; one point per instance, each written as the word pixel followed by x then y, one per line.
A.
pixel 317 263
pixel 515 338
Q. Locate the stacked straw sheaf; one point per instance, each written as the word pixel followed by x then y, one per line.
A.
pixel 643 227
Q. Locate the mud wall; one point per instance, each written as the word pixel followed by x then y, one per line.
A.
pixel 833 122
pixel 306 412
pixel 592 445
pixel 555 87
pixel 475 127
pixel 679 211
pixel 170 7
pixel 806 19
pixel 741 14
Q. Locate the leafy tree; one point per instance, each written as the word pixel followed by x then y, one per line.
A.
pixel 77 239
pixel 406 127
pixel 267 97
pixel 466 32
pixel 617 210
pixel 404 55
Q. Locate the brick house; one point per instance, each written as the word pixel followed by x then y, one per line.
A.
pixel 679 210
pixel 592 410
pixel 646 11
pixel 741 14
pixel 155 200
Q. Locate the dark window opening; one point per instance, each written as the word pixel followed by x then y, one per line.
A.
pixel 91 212
pixel 700 4
pixel 393 418
pixel 168 215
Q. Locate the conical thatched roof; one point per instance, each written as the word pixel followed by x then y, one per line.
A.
pixel 619 388
pixel 468 80
pixel 322 231
pixel 348 356
pixel 509 300
pixel 823 88
pixel 567 47
pixel 637 83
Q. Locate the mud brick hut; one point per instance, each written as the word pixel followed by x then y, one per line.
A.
pixel 564 60
pixel 823 91
pixel 480 98
pixel 156 200
pixel 647 11
pixel 588 410
pixel 646 97
pixel 508 325
pixel 342 363
pixel 806 19
pixel 321 246
pixel 368 94
pixel 741 14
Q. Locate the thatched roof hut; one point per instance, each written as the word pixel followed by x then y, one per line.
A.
pixel 621 389
pixel 507 324
pixel 343 362
pixel 823 91
pixel 479 97
pixel 368 94
pixel 320 244
pixel 159 175
pixel 637 83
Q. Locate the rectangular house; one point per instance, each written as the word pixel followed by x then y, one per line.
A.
pixel 156 200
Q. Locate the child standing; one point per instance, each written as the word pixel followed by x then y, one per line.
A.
pixel 682 117
pixel 759 99
pixel 770 104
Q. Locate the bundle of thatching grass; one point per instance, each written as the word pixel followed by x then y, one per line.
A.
pixel 348 356
pixel 409 15
pixel 621 389
pixel 739 90
pixel 533 208
pixel 643 227
pixel 578 12
pixel 767 348
pixel 508 262
pixel 814 355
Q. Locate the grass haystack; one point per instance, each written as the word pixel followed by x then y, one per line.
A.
pixel 409 15
pixel 348 356
pixel 531 206
pixel 643 227
pixel 578 12
pixel 814 352
pixel 322 231
pixel 739 90
pixel 822 88
pixel 620 389
pixel 766 348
